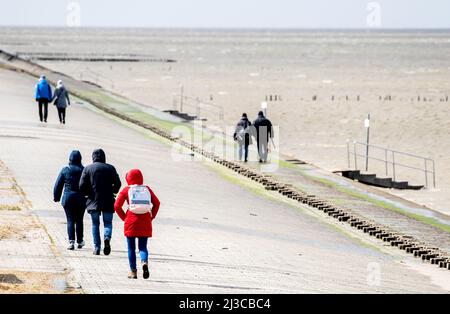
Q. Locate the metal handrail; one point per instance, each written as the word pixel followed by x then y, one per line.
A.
pixel 390 162
pixel 393 153
pixel 199 105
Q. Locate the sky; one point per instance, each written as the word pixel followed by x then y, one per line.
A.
pixel 228 13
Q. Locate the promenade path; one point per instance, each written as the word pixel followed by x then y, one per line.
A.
pixel 216 232
pixel 431 227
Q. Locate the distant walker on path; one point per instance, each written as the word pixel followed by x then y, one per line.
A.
pixel 264 132
pixel 242 135
pixel 73 202
pixel 43 95
pixel 62 100
pixel 100 182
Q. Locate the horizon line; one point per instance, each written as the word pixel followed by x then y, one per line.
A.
pixel 282 28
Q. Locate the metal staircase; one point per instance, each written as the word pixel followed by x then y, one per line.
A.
pixel 391 161
pixel 372 179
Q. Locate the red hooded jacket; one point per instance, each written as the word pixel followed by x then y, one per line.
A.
pixel 136 225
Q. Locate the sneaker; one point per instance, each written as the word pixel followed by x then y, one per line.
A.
pixel 145 271
pixel 107 248
pixel 132 274
pixel 71 246
pixel 96 251
pixel 81 244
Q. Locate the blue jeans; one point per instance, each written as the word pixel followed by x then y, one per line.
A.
pixel 243 150
pixel 107 224
pixel 143 252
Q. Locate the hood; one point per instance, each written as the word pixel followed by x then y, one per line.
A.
pixel 134 177
pixel 261 114
pixel 99 156
pixel 75 158
pixel 244 122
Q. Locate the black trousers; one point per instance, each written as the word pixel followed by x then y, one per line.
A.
pixel 62 115
pixel 243 150
pixel 75 223
pixel 43 106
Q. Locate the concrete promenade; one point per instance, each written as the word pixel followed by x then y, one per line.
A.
pixel 216 232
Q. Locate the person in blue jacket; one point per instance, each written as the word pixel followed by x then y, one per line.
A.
pixel 43 95
pixel 73 201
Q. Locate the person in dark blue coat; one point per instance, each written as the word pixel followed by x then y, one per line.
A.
pixel 73 201
pixel 43 95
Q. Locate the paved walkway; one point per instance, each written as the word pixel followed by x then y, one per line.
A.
pixel 212 235
pixel 409 219
pixel 28 261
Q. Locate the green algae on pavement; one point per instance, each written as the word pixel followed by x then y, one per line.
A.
pixel 380 203
pixel 259 190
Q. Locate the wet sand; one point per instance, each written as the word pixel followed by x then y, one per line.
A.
pixel 236 71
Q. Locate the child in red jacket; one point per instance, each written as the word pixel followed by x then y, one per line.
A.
pixel 143 206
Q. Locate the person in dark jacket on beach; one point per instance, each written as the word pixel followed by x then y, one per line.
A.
pixel 62 99
pixel 264 132
pixel 73 202
pixel 43 95
pixel 242 135
pixel 100 182
pixel 138 224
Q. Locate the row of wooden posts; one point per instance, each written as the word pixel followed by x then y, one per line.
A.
pixel 275 98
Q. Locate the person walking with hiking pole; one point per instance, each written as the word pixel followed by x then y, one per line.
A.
pixel 264 133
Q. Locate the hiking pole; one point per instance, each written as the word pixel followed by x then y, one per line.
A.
pixel 273 143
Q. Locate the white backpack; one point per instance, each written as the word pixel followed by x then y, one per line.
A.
pixel 140 199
